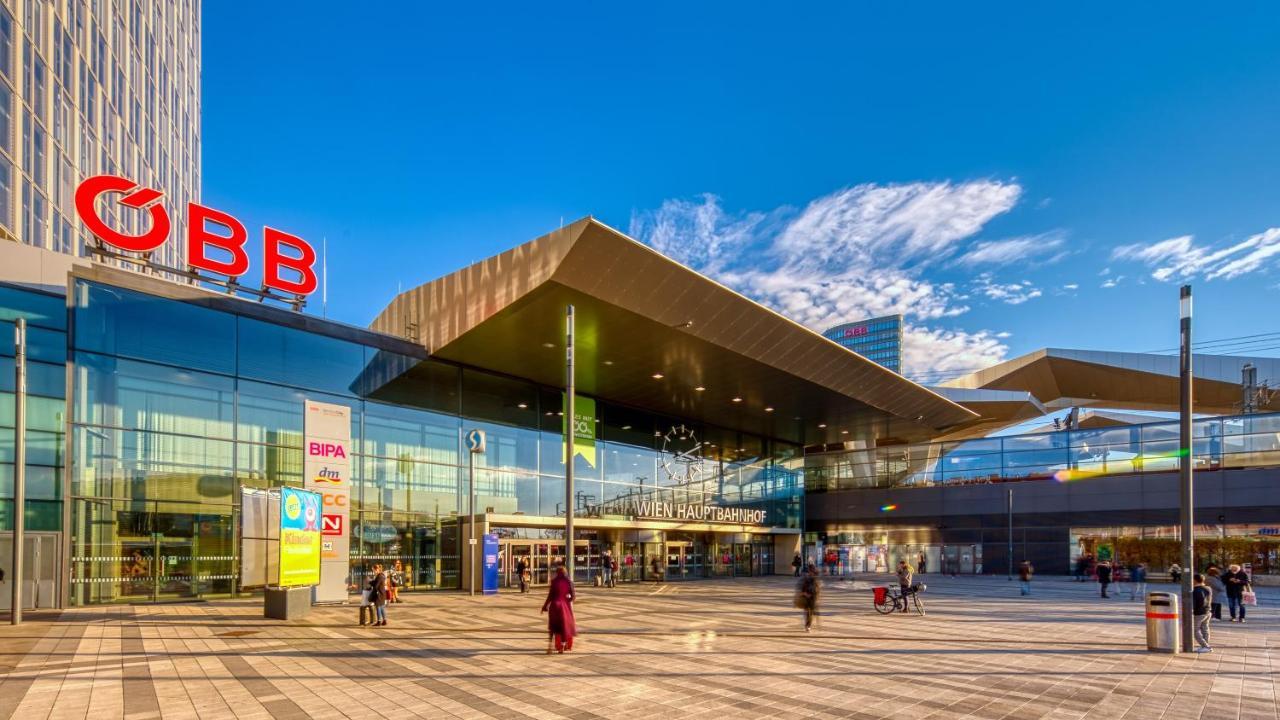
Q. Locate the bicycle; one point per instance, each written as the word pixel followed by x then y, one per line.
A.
pixel 887 600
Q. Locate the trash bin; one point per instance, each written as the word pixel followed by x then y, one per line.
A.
pixel 1163 632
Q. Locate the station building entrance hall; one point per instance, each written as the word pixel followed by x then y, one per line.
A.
pixel 642 554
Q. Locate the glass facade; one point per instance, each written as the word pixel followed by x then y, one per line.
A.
pixel 174 405
pixel 878 339
pixel 101 87
pixel 1241 441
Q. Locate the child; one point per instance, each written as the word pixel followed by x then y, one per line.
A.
pixel 1201 597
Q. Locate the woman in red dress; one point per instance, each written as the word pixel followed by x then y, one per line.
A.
pixel 559 610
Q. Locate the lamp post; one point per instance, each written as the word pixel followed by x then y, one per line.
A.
pixel 570 426
pixel 1185 487
pixel 19 464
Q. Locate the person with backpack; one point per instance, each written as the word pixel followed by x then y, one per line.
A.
pixel 1201 598
pixel 807 591
pixel 797 563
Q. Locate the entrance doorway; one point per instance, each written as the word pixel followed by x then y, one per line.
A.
pixel 685 560
pixel 39 570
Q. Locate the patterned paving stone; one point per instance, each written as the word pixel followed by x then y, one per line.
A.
pixel 718 650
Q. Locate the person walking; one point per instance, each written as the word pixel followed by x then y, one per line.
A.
pixel 1104 577
pixel 1201 599
pixel 1175 573
pixel 655 567
pixel 1025 571
pixel 807 591
pixel 922 564
pixel 396 581
pixel 1138 582
pixel 368 615
pixel 1214 580
pixel 522 567
pixel 606 567
pixel 797 563
pixel 378 595
pixel 1237 581
pixel 905 573
pixel 561 627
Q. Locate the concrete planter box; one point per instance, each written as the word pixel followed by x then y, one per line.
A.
pixel 286 603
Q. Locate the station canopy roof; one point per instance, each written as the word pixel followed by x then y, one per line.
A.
pixel 638 315
pixel 1061 378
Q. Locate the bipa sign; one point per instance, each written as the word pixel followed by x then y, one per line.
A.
pixel 324 449
pixel 288 261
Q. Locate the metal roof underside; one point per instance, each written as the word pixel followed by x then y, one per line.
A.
pixel 638 313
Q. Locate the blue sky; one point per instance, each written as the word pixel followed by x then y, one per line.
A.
pixel 1011 177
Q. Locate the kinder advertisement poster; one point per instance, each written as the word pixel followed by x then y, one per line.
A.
pixel 299 537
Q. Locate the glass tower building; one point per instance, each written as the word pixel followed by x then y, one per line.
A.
pixel 96 87
pixel 878 339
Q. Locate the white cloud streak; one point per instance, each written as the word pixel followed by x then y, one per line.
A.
pixel 858 252
pixel 1180 258
pixel 1011 250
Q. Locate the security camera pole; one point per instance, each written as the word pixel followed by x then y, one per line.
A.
pixel 1185 497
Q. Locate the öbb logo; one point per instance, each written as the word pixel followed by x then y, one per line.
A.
pixel 329 450
pixel 199 237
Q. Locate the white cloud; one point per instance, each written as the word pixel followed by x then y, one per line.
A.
pixel 1003 252
pixel 1011 293
pixel 934 354
pixel 1179 258
pixel 1071 286
pixel 858 252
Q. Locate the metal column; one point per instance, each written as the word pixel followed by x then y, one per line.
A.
pixel 19 464
pixel 1186 498
pixel 570 426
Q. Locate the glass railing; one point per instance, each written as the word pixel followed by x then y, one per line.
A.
pixel 1218 443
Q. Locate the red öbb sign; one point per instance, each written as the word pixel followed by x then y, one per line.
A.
pixel 199 238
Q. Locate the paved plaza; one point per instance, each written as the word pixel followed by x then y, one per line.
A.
pixel 709 649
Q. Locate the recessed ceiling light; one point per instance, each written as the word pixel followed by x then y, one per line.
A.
pixel 822 425
pixel 548 345
pixel 699 388
pixel 626 427
pixel 608 362
pixel 844 432
pixel 522 406
pixel 742 450
pixel 768 409
pixel 658 376
pixel 657 433
pixel 737 399
pixel 561 413
pixel 549 413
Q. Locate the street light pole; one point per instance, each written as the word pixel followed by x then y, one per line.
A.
pixel 1185 488
pixel 19 464
pixel 570 427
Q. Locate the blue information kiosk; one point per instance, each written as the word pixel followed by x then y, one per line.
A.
pixel 490 576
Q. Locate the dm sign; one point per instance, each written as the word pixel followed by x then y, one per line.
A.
pixel 299 537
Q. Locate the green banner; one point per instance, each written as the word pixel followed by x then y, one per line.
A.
pixel 584 427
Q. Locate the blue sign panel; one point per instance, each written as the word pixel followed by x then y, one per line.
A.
pixel 490 564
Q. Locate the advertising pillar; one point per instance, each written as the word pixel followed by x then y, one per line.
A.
pixel 327 470
pixel 490 564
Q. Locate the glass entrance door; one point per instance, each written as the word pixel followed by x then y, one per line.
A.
pixel 742 560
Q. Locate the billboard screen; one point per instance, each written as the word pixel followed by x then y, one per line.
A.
pixel 299 537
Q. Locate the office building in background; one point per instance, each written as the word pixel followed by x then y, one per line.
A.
pixel 878 339
pixel 90 89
